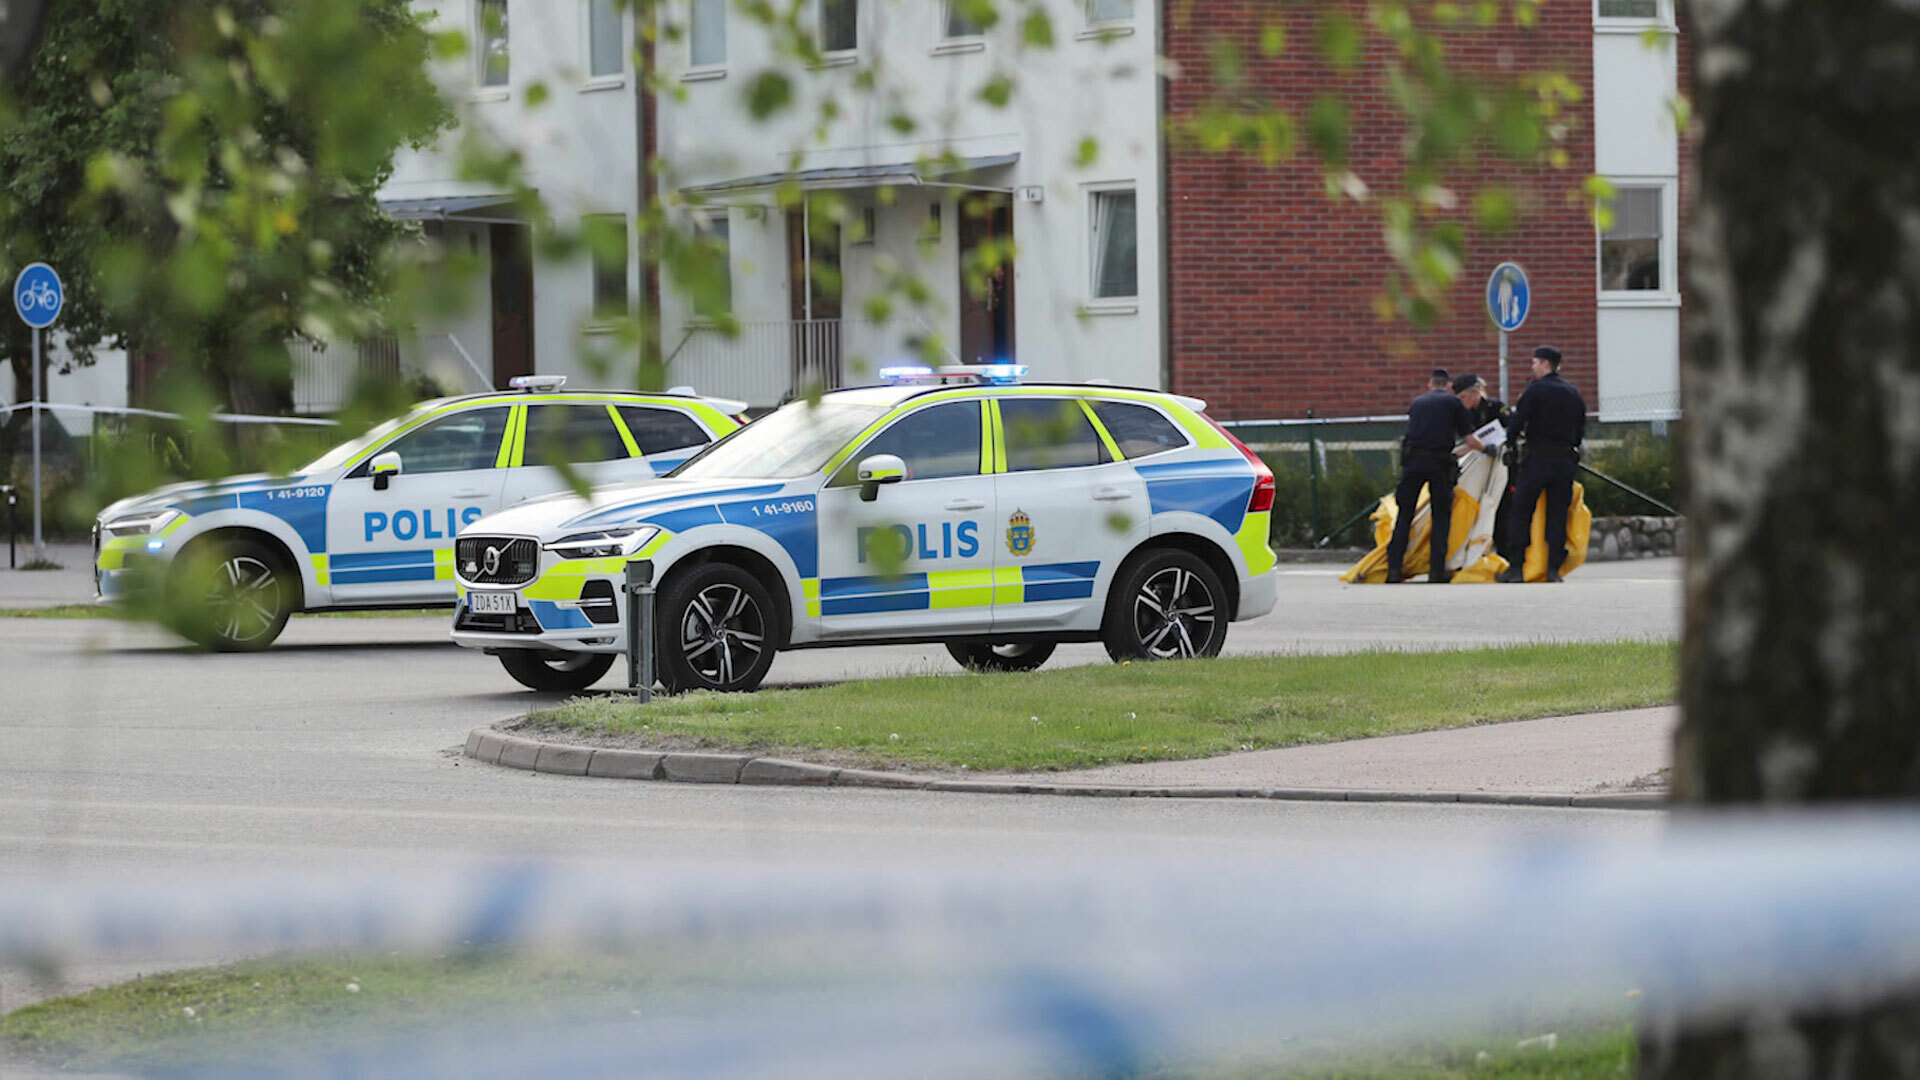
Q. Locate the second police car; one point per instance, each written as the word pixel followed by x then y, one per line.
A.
pixel 370 523
pixel 958 507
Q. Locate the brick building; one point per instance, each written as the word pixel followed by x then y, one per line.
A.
pixel 1273 287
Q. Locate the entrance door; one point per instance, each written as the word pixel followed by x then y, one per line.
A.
pixel 813 297
pixel 512 303
pixel 986 296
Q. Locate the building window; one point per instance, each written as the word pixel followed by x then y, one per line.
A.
pixel 606 236
pixel 713 284
pixel 1627 9
pixel 839 26
pixel 707 36
pixel 606 40
pixel 959 24
pixel 1116 270
pixel 1632 254
pixel 1107 11
pixel 491 22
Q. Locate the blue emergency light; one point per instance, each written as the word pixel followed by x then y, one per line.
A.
pixel 987 374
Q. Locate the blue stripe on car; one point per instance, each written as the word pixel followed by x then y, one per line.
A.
pixel 382 574
pixel 554 617
pixel 371 559
pixel 863 605
pixel 634 511
pixel 1218 488
pixel 798 531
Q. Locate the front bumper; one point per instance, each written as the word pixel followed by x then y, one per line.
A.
pixel 573 605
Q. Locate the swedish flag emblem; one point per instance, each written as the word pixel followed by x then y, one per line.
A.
pixel 1020 534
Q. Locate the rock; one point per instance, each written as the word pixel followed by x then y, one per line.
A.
pixel 1610 548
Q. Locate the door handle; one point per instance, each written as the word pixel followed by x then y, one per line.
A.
pixel 1112 494
pixel 963 505
pixel 471 494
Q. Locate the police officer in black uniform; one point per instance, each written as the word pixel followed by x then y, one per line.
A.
pixel 1487 408
pixel 1434 420
pixel 1551 417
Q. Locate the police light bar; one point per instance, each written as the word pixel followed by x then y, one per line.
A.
pixel 990 374
pixel 537 383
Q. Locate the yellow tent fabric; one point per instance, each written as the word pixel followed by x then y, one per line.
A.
pixel 1470 540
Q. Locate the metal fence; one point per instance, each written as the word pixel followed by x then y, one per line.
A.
pixel 325 373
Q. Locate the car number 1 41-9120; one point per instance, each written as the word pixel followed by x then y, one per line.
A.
pixel 298 493
pixel 790 506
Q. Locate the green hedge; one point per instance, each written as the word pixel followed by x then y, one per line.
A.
pixel 1642 460
pixel 1353 480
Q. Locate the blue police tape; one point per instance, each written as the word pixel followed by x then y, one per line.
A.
pixel 1103 967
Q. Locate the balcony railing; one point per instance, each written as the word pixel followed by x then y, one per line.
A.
pixel 768 362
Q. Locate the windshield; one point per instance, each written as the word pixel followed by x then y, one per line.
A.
pixel 795 441
pixel 344 453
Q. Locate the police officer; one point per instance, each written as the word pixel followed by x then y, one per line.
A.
pixel 1552 418
pixel 1485 407
pixel 1434 420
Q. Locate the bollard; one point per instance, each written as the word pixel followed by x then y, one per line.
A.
pixel 639 590
pixel 13 526
pixel 1313 476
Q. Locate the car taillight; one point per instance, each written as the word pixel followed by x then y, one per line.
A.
pixel 1262 500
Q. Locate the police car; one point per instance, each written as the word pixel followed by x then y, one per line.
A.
pixel 370 523
pixel 958 506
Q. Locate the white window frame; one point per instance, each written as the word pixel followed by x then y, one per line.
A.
pixel 695 72
pixel 1662 19
pixel 1111 305
pixel 834 57
pixel 482 90
pixel 616 79
pixel 1668 294
pixel 945 44
pixel 1093 28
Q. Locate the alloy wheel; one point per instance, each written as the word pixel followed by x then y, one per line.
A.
pixel 1174 614
pixel 244 598
pixel 723 633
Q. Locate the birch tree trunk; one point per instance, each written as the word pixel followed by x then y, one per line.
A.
pixel 1801 660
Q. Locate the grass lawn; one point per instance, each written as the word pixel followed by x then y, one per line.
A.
pixel 107 611
pixel 280 1010
pixel 1105 714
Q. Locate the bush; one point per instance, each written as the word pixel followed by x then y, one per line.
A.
pixel 1641 460
pixel 1353 480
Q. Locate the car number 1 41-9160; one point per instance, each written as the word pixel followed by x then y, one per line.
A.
pixel 493 603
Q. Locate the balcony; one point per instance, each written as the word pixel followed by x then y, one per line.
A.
pixel 770 362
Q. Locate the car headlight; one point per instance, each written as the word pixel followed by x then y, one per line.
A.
pixel 605 544
pixel 141 524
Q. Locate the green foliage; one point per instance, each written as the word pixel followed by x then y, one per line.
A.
pixel 1351 482
pixel 1641 460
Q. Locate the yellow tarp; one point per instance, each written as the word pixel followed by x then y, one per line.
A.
pixel 1470 541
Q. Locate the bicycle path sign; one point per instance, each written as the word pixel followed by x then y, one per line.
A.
pixel 37 295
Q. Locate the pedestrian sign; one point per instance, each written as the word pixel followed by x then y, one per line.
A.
pixel 1508 297
pixel 37 295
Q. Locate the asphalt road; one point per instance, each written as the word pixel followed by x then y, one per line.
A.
pixel 124 754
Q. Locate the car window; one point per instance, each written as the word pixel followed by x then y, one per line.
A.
pixel 659 431
pixel 1137 429
pixel 1049 433
pixel 453 443
pixel 576 434
pixel 935 442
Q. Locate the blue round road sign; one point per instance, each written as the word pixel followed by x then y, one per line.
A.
pixel 1508 296
pixel 37 296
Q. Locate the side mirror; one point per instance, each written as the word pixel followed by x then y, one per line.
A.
pixel 880 469
pixel 385 467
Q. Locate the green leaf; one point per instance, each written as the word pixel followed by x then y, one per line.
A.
pixel 1327 126
pixel 997 91
pixel 1273 39
pixel 1037 29
pixel 537 95
pixel 767 93
pixel 1339 39
pixel 1087 152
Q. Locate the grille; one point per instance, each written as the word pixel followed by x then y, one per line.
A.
pixel 597 602
pixel 520 622
pixel 514 561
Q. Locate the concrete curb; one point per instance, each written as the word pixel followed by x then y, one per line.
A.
pixel 565 759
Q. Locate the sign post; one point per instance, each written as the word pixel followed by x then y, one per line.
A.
pixel 1508 301
pixel 37 296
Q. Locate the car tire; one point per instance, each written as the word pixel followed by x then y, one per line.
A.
pixel 555 672
pixel 1166 605
pixel 717 630
pixel 1007 656
pixel 230 594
